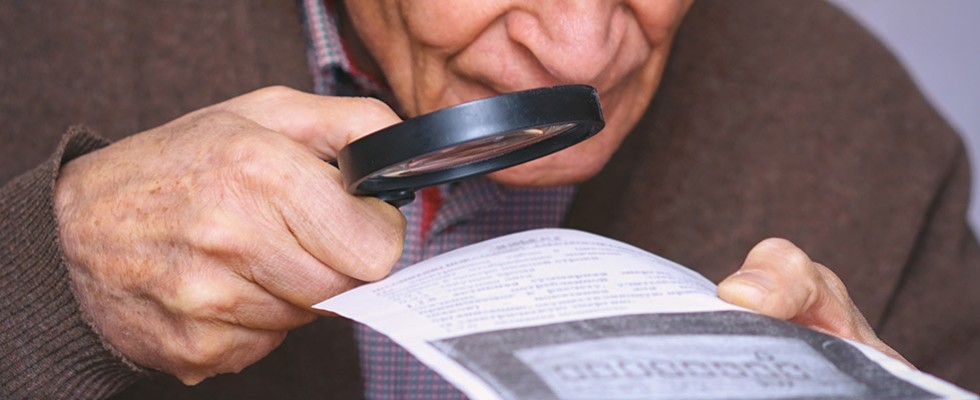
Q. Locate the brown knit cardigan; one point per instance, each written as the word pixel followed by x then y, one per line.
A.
pixel 774 119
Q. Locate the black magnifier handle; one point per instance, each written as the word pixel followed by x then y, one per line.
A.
pixel 397 198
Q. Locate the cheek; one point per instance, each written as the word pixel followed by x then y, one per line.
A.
pixel 447 27
pixel 659 19
pixel 412 41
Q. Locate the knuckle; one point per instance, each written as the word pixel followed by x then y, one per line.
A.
pixel 274 92
pixel 247 147
pixel 799 263
pixel 204 299
pixel 218 235
pixel 833 281
pixel 215 120
pixel 233 150
pixel 190 379
pixel 255 161
pixel 205 351
pixel 262 346
pixel 373 106
pixel 373 114
pixel 791 258
pixel 776 245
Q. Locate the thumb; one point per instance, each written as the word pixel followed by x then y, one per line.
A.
pixel 322 124
pixel 779 280
pixel 776 279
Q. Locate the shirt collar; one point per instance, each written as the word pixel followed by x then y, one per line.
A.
pixel 334 73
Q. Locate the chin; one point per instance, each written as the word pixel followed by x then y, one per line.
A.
pixel 568 167
pixel 573 165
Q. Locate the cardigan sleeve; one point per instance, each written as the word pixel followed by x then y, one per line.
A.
pixel 932 318
pixel 47 349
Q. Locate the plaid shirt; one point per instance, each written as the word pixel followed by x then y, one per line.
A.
pixel 444 218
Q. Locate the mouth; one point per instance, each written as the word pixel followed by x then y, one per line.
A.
pixel 470 89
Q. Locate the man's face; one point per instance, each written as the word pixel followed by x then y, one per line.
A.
pixel 437 53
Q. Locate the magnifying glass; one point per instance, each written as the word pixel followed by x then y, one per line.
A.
pixel 469 139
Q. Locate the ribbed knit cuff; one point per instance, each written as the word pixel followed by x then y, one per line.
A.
pixel 47 350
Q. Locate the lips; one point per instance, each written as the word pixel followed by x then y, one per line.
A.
pixel 498 79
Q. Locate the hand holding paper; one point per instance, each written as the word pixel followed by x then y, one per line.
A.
pixel 564 314
pixel 779 280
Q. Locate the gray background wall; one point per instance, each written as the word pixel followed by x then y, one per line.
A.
pixel 939 43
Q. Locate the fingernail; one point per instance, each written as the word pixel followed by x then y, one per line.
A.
pixel 747 287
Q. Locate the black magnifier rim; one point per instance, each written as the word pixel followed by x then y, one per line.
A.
pixel 361 160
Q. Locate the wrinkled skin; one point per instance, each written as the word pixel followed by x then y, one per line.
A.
pixel 483 48
pixel 491 47
pixel 778 279
pixel 195 246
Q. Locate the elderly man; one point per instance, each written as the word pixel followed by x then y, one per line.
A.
pixel 193 247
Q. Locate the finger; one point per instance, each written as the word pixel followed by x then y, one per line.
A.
pixel 826 314
pixel 778 279
pixel 360 237
pixel 208 350
pixel 219 295
pixel 312 239
pixel 292 274
pixel 323 124
pixel 268 256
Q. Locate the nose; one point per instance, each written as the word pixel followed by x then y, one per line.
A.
pixel 575 41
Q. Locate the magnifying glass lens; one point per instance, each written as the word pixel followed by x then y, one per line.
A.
pixel 468 139
pixel 474 151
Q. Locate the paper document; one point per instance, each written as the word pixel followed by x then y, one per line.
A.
pixel 564 314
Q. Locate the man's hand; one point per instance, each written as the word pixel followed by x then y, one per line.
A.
pixel 195 246
pixel 779 280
